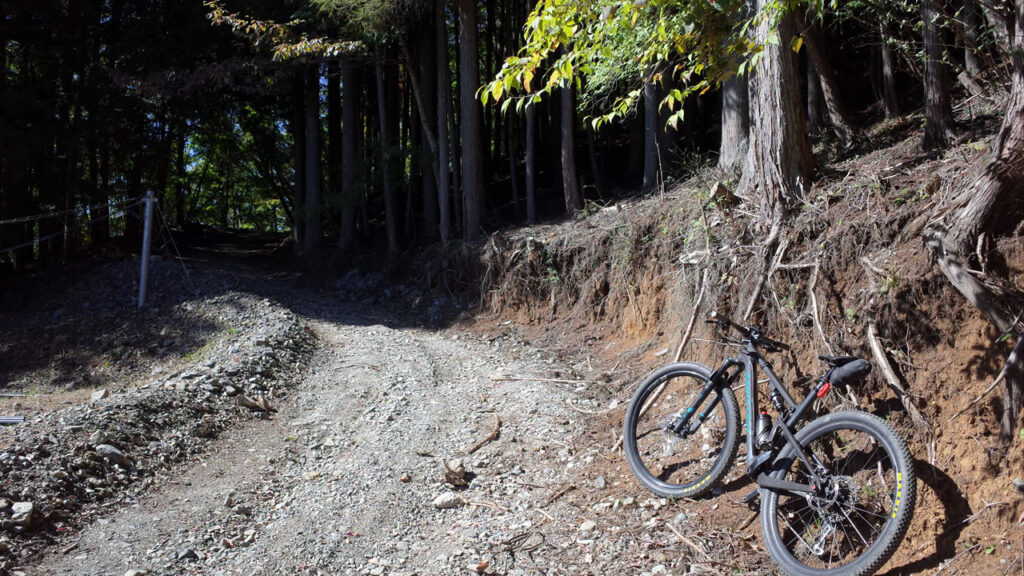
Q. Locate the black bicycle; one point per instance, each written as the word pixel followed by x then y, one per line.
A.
pixel 837 494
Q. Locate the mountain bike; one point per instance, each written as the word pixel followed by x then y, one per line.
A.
pixel 837 494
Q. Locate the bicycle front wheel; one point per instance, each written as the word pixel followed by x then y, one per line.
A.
pixel 857 516
pixel 690 463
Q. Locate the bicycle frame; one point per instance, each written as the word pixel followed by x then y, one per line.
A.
pixel 747 363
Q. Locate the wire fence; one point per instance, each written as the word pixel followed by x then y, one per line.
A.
pixel 75 210
pixel 116 211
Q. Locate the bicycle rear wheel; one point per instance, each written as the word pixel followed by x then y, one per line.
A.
pixel 680 465
pixel 857 517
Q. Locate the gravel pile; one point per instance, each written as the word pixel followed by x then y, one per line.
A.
pixel 60 468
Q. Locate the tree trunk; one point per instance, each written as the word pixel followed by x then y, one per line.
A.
pixel 652 162
pixel 779 162
pixel 101 229
pixel 472 142
pixel 298 129
pixel 350 129
pixel 570 180
pixel 443 97
pixel 386 149
pixel 815 102
pixel 513 171
pixel 312 236
pixel 889 98
pixel 334 137
pixel 735 123
pixel 988 193
pixel 531 163
pixel 830 88
pixel 972 27
pixel 595 161
pixel 938 111
pixel 426 105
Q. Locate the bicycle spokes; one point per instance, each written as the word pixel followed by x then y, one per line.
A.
pixel 847 512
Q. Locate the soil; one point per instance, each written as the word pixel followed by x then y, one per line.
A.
pixel 362 395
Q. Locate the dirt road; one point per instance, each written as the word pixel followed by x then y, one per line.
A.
pixel 348 478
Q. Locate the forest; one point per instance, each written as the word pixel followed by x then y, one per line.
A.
pixel 364 126
pixel 562 187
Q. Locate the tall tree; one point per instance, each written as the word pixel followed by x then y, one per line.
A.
pixel 735 122
pixel 312 231
pixel 349 152
pixel 938 111
pixel 779 162
pixel 443 97
pixel 472 140
pixel 570 180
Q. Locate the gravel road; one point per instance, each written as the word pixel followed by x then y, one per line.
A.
pixel 349 476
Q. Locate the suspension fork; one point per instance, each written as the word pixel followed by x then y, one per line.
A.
pixel 719 377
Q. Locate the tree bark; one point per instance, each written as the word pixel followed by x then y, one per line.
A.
pixel 472 142
pixel 570 179
pixel 735 123
pixel 298 129
pixel 779 162
pixel 890 101
pixel 531 163
pixel 312 235
pixel 971 27
pixel 830 89
pixel 938 111
pixel 334 137
pixel 443 97
pixel 815 101
pixel 652 164
pixel 350 129
pixel 386 149
pixel 426 105
pixel 987 193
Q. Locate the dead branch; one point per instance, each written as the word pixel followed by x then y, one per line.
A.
pixel 490 437
pixel 814 305
pixel 693 316
pixel 558 495
pixel 687 541
pixel 532 379
pixel 894 382
pixel 783 245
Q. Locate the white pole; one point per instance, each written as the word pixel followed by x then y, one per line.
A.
pixel 146 231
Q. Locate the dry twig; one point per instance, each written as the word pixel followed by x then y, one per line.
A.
pixel 894 382
pixel 490 437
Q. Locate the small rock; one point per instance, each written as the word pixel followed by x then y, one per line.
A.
pixel 1019 484
pixel 21 513
pixel 99 395
pixel 243 510
pixel 136 573
pixel 187 554
pixel 114 455
pixel 588 526
pixel 448 500
pixel 98 437
pixel 455 472
pixel 405 477
pixel 600 483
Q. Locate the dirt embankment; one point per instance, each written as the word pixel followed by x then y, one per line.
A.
pixel 617 288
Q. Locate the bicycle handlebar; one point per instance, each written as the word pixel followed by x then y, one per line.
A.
pixel 751 333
